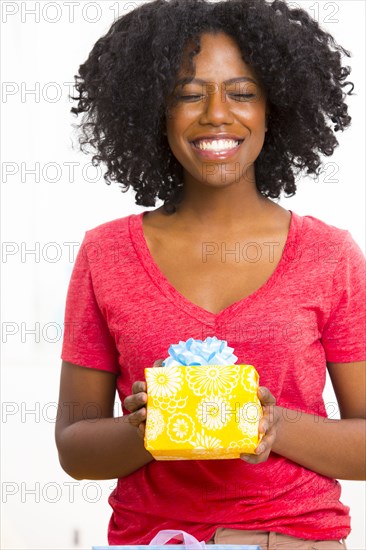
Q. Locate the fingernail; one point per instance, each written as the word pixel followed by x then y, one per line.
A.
pixel 259 449
pixel 245 457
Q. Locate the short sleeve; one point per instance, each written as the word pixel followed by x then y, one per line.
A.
pixel 344 333
pixel 87 340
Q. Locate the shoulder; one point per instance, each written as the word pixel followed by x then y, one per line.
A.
pixel 314 227
pixel 328 240
pixel 108 242
pixel 117 228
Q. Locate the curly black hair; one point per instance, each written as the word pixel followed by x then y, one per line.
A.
pixel 125 85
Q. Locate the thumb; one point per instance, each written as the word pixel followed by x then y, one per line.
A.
pixel 158 363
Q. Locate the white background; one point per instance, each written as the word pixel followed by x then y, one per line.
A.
pixel 42 507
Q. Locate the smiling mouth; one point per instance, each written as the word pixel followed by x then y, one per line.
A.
pixel 217 145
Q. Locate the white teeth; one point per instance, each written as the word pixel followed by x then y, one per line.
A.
pixel 217 144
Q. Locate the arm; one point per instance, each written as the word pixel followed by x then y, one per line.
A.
pixel 90 442
pixel 333 448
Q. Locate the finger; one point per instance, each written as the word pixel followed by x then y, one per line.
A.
pixel 263 450
pixel 259 456
pixel 264 424
pixel 252 459
pixel 158 363
pixel 267 442
pixel 134 402
pixel 266 421
pixel 139 386
pixel 137 417
pixel 265 396
pixel 141 429
pixel 262 447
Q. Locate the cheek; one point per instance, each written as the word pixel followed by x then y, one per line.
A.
pixel 175 142
pixel 181 117
pixel 253 117
pixel 177 121
pixel 251 113
pixel 176 128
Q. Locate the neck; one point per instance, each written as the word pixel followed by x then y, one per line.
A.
pixel 221 208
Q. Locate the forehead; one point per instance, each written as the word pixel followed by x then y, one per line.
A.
pixel 219 58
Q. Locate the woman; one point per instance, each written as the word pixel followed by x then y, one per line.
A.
pixel 214 108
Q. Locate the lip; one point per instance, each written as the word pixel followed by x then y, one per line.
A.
pixel 216 155
pixel 218 136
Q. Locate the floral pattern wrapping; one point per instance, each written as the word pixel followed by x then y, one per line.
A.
pixel 202 412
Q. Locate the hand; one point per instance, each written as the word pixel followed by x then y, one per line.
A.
pixel 267 425
pixel 136 403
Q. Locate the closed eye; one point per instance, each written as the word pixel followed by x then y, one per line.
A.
pixel 188 97
pixel 242 97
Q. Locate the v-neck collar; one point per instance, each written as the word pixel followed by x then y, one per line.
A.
pixel 180 301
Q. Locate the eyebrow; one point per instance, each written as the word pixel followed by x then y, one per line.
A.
pixel 187 80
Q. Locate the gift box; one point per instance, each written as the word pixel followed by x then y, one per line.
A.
pixel 181 547
pixel 189 543
pixel 198 412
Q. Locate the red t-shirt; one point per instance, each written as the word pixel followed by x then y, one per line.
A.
pixel 122 314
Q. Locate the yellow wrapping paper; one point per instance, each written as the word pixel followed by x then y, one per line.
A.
pixel 202 412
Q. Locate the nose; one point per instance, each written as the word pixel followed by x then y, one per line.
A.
pixel 216 108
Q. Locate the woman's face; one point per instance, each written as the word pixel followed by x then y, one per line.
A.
pixel 224 102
